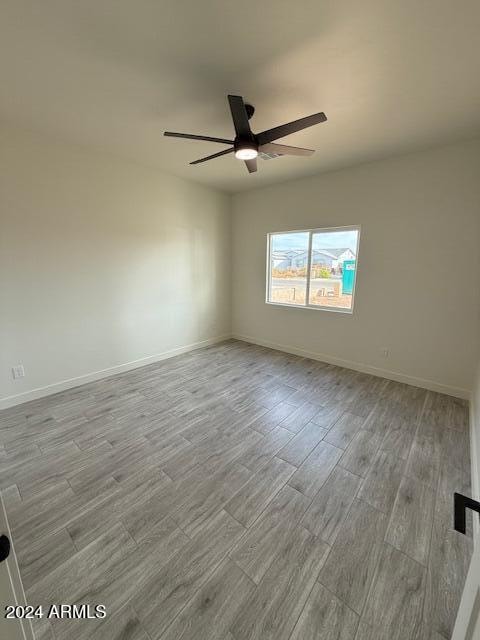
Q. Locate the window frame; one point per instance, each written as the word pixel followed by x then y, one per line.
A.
pixel 315 307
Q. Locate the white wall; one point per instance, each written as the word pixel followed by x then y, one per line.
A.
pixel 417 287
pixel 102 262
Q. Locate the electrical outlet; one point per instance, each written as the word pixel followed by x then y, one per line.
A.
pixel 18 371
pixel 385 352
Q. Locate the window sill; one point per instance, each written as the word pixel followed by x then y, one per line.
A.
pixel 312 307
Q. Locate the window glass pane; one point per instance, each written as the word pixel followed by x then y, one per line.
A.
pixel 288 267
pixel 333 268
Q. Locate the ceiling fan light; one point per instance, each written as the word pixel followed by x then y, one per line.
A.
pixel 246 153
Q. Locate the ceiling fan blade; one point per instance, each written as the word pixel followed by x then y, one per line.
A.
pixel 191 136
pixel 284 150
pixel 251 165
pixel 239 117
pixel 215 155
pixel 291 127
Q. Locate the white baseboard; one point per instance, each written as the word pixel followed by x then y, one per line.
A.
pixel 431 385
pixel 62 385
pixel 56 387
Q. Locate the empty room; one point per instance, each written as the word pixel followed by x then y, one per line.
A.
pixel 239 320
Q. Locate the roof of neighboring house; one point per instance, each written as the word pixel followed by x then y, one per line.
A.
pixel 338 252
pixel 323 252
pixel 293 253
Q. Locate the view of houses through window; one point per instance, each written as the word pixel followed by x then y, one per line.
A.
pixel 332 257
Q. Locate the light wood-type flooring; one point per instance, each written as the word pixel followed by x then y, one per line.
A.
pixel 240 493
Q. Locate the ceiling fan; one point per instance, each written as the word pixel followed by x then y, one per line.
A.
pixel 247 145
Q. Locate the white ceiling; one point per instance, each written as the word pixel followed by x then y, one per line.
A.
pixel 391 75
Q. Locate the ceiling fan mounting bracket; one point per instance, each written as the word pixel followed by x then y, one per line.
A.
pixel 250 109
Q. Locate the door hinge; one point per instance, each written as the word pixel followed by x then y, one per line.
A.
pixel 460 505
pixel 4 548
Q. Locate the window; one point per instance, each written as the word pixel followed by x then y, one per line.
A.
pixel 314 268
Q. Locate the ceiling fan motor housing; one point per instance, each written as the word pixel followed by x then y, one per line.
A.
pixel 245 143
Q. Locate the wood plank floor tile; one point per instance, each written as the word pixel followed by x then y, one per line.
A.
pixel 327 415
pixel 330 506
pixel 195 513
pixel 12 457
pixel 43 557
pixel 272 611
pixel 11 497
pixel 359 454
pixel 84 572
pixel 143 520
pixel 396 598
pixel 42 629
pixel 143 562
pixel 422 632
pixel 325 617
pixel 124 625
pixel 449 561
pixel 300 417
pixel 455 448
pixel 350 567
pixel 162 597
pixel 362 403
pixel 398 439
pixel 96 519
pixel 306 396
pixel 344 430
pixel 258 549
pixel 58 512
pixel 410 525
pixel 458 413
pixel 212 451
pixel 313 472
pixel 424 460
pixel 206 424
pixel 215 606
pixel 272 418
pixel 381 484
pixel 379 419
pixel 257 455
pixel 251 500
pixel 299 447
